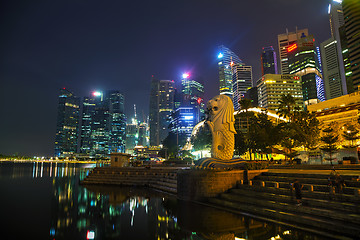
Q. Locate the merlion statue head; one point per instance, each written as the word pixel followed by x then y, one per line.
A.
pixel 221 109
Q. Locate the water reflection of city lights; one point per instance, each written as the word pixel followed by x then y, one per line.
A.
pixel 90 235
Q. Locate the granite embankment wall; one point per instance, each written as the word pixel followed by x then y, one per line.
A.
pixel 188 184
pixel 198 185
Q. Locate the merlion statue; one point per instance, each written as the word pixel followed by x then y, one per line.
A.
pixel 221 123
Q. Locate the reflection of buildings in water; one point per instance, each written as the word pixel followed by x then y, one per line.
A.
pixel 75 211
pixel 41 169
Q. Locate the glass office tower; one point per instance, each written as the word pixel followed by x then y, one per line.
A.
pixel 226 60
pixel 304 62
pixel 268 61
pixel 67 125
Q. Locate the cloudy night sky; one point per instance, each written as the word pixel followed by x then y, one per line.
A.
pixel 87 45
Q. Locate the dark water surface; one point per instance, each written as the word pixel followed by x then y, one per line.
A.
pixel 45 201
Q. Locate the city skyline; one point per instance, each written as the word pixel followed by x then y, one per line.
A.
pixel 87 47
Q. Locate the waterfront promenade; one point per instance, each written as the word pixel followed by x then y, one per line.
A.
pixel 266 196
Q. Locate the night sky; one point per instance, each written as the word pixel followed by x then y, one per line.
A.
pixel 87 45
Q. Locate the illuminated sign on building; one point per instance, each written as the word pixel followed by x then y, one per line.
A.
pixel 292 47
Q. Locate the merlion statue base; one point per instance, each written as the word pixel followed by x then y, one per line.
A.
pixel 218 164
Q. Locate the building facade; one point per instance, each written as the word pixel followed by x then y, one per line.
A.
pixel 183 120
pixel 336 19
pixel 162 95
pixel 268 61
pixel 272 86
pixel 226 60
pixel 87 113
pixel 242 81
pixel 303 61
pixel 344 109
pixel 351 10
pixel 285 40
pixel 252 94
pixel 67 125
pixel 192 92
pixel 103 124
pixel 331 69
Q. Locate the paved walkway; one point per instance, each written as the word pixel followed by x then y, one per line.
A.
pixel 351 172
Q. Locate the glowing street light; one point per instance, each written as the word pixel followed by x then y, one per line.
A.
pixel 220 55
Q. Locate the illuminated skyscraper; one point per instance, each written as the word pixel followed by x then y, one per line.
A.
pixel 161 105
pixel 115 100
pixel 67 124
pixel 143 134
pixel 304 62
pixel 332 57
pixel 284 41
pixel 88 111
pixel 351 10
pixel 183 121
pixel 132 133
pixel 242 81
pixel 331 69
pixel 103 124
pixel 268 61
pixel 193 95
pixel 226 59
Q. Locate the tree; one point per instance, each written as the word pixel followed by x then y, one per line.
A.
pixel 351 134
pixel 202 139
pixel 289 141
pixel 307 127
pixel 330 139
pixel 287 106
pixel 263 133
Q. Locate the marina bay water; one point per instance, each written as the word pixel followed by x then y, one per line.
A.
pixel 45 200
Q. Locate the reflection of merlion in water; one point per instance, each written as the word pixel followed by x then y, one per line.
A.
pixel 221 122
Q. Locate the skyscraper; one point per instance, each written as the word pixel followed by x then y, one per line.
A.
pixel 284 41
pixel 226 59
pixel 132 133
pixel 67 125
pixel 331 69
pixel 183 121
pixel 303 61
pixel 332 57
pixel 115 100
pixel 351 10
pixel 242 81
pixel 161 105
pixel 103 124
pixel 193 95
pixel 268 61
pixel 88 110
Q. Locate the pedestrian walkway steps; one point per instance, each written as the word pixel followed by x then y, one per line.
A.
pixel 163 179
pixel 269 195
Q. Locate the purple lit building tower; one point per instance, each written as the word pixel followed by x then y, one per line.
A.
pixel 268 61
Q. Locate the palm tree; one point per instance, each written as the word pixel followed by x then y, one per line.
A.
pixel 287 105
